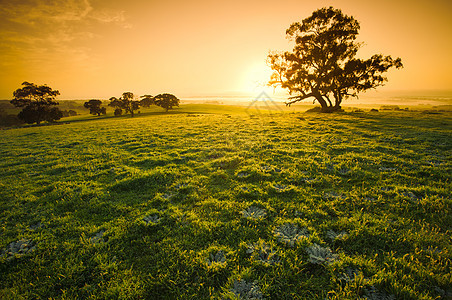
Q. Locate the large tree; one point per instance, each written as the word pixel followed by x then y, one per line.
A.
pixel 147 100
pixel 125 103
pixel 38 103
pixel 95 107
pixel 166 101
pixel 323 63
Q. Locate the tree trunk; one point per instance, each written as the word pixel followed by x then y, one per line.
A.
pixel 337 101
pixel 322 102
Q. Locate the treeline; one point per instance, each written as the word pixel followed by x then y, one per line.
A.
pixel 127 103
pixel 38 105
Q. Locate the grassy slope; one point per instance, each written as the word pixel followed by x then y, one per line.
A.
pixel 383 178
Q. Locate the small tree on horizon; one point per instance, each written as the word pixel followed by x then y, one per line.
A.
pixel 37 102
pixel 166 101
pixel 323 63
pixel 125 103
pixel 95 108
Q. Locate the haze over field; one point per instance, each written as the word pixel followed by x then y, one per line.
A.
pixel 97 49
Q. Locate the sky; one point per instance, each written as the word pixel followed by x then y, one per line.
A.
pixel 101 48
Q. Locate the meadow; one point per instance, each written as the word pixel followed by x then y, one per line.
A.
pixel 211 201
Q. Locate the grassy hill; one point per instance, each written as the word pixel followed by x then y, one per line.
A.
pixel 217 202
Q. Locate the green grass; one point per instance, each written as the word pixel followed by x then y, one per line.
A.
pixel 140 207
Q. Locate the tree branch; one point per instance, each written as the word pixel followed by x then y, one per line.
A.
pixel 298 98
pixel 328 99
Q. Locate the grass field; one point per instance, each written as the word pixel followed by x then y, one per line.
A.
pixel 211 202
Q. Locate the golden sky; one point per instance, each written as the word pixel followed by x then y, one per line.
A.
pixel 101 48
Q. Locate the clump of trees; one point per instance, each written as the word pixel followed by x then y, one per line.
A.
pixel 95 107
pixel 323 63
pixel 7 119
pixel 166 101
pixel 69 113
pixel 37 103
pixel 125 103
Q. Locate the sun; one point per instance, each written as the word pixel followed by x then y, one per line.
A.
pixel 256 77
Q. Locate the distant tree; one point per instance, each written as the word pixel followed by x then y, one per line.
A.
pixel 69 113
pixel 147 100
pixel 117 105
pixel 118 112
pixel 95 107
pixel 8 119
pixel 166 101
pixel 125 103
pixel 37 102
pixel 323 63
pixel 54 114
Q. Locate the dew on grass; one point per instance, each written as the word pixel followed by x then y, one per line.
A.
pixel 387 169
pixel 216 258
pixel 309 180
pixel 154 219
pixel 344 171
pixel 180 186
pixel 370 199
pixel 289 233
pixel 35 226
pixel 245 290
pixel 320 255
pixel 433 250
pixel 332 235
pixel 254 212
pixel 444 294
pixel 332 195
pixel 281 188
pixel 266 168
pixel 98 237
pixel 349 275
pixel 263 253
pixel 374 294
pixel 18 248
pixel 330 166
pixel 409 194
pixel 167 196
pixel 243 174
pixel 298 214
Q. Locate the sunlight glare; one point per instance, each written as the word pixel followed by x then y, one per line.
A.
pixel 256 78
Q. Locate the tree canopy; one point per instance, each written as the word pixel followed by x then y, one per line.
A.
pixel 95 107
pixel 147 100
pixel 37 102
pixel 323 62
pixel 166 101
pixel 125 103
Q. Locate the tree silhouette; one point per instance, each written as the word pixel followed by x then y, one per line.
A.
pixel 322 63
pixel 147 100
pixel 95 108
pixel 37 102
pixel 125 103
pixel 166 101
